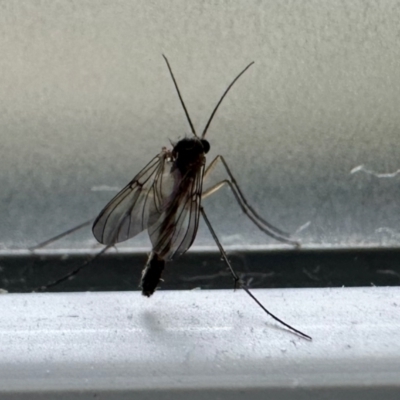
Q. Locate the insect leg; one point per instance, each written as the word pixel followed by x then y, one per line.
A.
pixel 261 223
pixel 211 167
pixel 61 235
pixel 215 188
pixel 240 282
pixel 211 191
pixel 73 272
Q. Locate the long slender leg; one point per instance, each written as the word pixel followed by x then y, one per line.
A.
pixel 80 267
pixel 240 282
pixel 210 168
pixel 76 270
pixel 73 272
pixel 61 235
pixel 213 189
pixel 248 210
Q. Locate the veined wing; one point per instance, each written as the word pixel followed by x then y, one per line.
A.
pixel 128 213
pixel 174 231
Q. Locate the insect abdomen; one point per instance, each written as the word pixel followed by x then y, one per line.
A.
pixel 151 274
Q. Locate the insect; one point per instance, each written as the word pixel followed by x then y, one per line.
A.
pixel 165 198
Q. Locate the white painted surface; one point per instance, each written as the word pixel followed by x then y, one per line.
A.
pixel 200 343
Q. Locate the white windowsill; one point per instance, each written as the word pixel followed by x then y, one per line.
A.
pixel 201 343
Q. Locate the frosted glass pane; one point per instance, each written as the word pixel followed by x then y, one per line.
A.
pixel 310 131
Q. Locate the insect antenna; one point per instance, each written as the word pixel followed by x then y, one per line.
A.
pixel 220 100
pixel 180 97
pixel 241 283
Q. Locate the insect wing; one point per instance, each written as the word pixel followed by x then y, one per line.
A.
pixel 175 230
pixel 128 213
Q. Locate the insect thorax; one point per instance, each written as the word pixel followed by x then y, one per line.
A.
pixel 190 153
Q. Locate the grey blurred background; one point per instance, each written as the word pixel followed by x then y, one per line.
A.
pixel 310 131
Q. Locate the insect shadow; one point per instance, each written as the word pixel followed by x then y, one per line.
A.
pixel 165 198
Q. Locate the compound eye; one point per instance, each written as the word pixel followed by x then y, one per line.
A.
pixel 179 147
pixel 206 145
